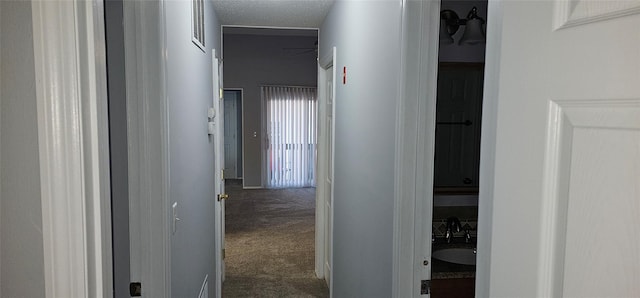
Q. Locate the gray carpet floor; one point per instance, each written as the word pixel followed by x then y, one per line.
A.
pixel 269 243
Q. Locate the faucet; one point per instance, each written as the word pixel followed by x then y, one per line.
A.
pixel 453 226
pixel 467 236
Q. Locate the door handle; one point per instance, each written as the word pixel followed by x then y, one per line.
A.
pixel 223 196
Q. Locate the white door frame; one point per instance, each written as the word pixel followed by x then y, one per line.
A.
pixel 148 146
pixel 415 143
pixel 71 91
pixel 218 120
pixel 488 147
pixel 322 193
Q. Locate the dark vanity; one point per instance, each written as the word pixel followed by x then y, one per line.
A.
pixel 452 280
pixel 453 256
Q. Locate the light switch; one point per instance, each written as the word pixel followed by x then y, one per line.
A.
pixel 211 128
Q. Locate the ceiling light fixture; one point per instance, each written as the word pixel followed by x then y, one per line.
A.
pixel 450 23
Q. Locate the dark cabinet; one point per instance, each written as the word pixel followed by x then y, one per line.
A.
pixel 453 288
pixel 458 123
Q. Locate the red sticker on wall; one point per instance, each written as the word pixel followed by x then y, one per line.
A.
pixel 344 75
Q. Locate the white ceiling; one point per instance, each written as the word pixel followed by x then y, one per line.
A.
pixel 272 13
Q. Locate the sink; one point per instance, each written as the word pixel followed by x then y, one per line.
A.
pixel 464 256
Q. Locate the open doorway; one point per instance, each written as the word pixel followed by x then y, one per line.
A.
pixel 457 148
pixel 269 232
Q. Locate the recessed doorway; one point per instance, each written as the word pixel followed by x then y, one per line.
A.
pixel 233 133
pixel 270 75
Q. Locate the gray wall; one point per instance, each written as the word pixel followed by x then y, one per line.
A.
pixel 367 37
pixel 191 152
pixel 21 247
pixel 254 60
pixel 463 53
pixel 118 147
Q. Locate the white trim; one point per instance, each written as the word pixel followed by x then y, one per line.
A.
pixel 97 156
pixel 149 146
pixel 319 211
pixel 415 147
pixel 426 140
pixel 575 13
pixel 71 93
pixel 549 281
pixel 131 28
pixel 197 43
pixel 218 228
pixel 252 187
pixel 270 27
pixel 488 148
pixel 329 217
pixel 404 193
pixel 0 147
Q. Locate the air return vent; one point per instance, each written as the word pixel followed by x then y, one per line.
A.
pixel 197 13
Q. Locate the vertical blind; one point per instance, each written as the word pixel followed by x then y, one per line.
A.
pixel 291 133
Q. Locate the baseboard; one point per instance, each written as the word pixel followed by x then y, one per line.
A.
pixel 252 187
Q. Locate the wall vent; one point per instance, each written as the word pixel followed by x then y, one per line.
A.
pixel 197 14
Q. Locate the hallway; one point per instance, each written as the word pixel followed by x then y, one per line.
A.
pixel 269 243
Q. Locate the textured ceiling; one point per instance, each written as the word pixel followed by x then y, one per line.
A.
pixel 272 13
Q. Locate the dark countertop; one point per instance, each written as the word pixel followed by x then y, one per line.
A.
pixel 446 270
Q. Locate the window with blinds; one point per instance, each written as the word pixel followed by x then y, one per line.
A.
pixel 291 120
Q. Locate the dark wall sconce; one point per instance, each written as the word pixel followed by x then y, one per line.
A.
pixel 450 23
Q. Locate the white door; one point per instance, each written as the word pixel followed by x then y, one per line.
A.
pixel 218 137
pixel 324 181
pixel 328 179
pixel 566 197
pixel 230 135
